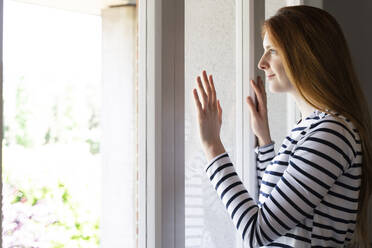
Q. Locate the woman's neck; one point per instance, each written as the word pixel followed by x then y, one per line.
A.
pixel 305 108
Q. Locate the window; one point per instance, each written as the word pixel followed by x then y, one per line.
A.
pixel 119 127
pixel 51 164
pixel 69 128
pixel 210 44
pixel 223 40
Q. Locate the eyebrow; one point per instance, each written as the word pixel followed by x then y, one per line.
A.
pixel 268 46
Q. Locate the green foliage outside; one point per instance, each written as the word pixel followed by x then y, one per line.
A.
pixel 47 215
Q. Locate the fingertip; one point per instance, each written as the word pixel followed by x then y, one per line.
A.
pixel 195 93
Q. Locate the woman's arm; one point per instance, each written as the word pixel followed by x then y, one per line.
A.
pixel 312 171
pixel 264 155
pixel 210 120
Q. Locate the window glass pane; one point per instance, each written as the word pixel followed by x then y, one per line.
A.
pixel 209 45
pixel 52 127
pixel 70 174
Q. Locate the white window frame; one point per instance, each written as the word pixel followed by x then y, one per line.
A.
pixel 1 116
pixel 161 124
pixel 249 18
pixel 118 141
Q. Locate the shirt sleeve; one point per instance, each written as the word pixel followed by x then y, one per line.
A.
pixel 314 166
pixel 264 155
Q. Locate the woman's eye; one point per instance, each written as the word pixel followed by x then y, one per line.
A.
pixel 272 51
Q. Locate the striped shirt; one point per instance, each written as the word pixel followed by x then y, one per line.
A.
pixel 308 192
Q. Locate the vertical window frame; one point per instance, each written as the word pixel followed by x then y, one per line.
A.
pixel 1 116
pixel 161 123
pixel 249 18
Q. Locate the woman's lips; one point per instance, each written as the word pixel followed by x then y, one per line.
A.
pixel 270 76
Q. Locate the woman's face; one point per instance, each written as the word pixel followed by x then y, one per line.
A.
pixel 271 63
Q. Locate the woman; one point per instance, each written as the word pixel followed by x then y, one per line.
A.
pixel 314 192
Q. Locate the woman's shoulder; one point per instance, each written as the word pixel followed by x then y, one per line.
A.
pixel 333 130
pixel 335 124
pixel 330 136
pixel 327 127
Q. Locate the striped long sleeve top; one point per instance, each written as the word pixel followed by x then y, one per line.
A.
pixel 308 191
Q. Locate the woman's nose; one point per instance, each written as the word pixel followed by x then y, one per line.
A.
pixel 262 64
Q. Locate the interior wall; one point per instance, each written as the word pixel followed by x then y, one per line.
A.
pixel 355 19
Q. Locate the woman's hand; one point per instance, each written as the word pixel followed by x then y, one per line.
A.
pixel 209 114
pixel 259 119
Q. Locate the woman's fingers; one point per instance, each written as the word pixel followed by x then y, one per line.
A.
pixel 257 91
pixel 198 104
pixel 209 116
pixel 264 98
pixel 202 92
pixel 213 90
pixel 207 86
pixel 207 90
pixel 252 106
pixel 262 86
pixel 257 94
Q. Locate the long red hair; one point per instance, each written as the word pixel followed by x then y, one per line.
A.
pixel 317 61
